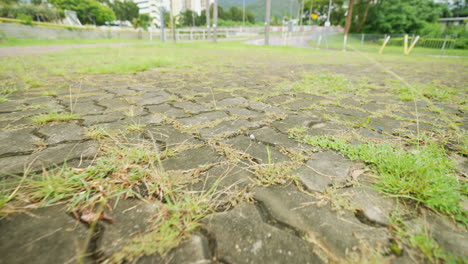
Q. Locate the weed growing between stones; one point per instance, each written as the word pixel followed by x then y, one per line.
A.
pixel 179 215
pixel 136 127
pixel 325 84
pixel 123 171
pixel 96 133
pixel 6 91
pixel 53 117
pixel 434 92
pixel 426 177
pixel 49 93
pixel 425 247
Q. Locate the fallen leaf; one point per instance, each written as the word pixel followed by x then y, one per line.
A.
pixel 89 216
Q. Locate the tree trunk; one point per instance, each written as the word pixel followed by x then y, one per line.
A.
pixel 208 22
pixel 215 21
pixel 173 26
pixel 349 17
pixel 364 18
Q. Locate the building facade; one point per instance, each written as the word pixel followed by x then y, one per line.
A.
pixel 153 7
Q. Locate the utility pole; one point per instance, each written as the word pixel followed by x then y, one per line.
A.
pixel 207 12
pixel 163 25
pixel 327 23
pixel 310 12
pixel 215 21
pixel 172 22
pixel 267 22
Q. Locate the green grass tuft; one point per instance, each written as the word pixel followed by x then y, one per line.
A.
pixel 425 177
pixel 53 117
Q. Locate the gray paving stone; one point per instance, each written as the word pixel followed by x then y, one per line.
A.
pixel 113 103
pixel 227 128
pixel 61 132
pixel 257 150
pixel 338 233
pixel 388 124
pixel 152 100
pixel 242 237
pixel 326 128
pixel 87 108
pixel 240 111
pixel 190 107
pixel 231 176
pixel 192 159
pixel 104 118
pixel 170 136
pixel 17 141
pixel 372 207
pixel 300 104
pixel 373 107
pixel 292 121
pixel 267 108
pixel 169 111
pixel 279 99
pixel 131 218
pixel 270 136
pixel 452 239
pixel 194 250
pixel 349 112
pixel 325 169
pixel 229 102
pixel 50 236
pixel 202 118
pixel 50 157
pixel 10 106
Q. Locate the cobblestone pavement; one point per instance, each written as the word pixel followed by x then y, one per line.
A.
pixel 226 124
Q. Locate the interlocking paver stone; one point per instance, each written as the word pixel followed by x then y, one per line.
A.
pixel 17 141
pixel 57 133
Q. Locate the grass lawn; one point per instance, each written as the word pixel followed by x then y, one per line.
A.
pixel 13 42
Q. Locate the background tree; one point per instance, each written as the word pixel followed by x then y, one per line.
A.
pixel 125 10
pixel 337 15
pixel 402 16
pixel 188 18
pixel 459 8
pixel 88 11
pixel 143 21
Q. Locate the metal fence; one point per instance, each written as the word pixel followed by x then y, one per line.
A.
pixel 428 45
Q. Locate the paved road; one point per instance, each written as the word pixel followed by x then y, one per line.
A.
pixel 301 41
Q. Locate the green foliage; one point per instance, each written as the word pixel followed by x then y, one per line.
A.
pixel 25 19
pixel 125 10
pixel 88 11
pixel 397 16
pixel 38 13
pixel 8 2
pixel 188 18
pixel 425 177
pixel 142 21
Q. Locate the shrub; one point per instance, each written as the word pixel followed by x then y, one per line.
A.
pixel 25 19
pixel 38 13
